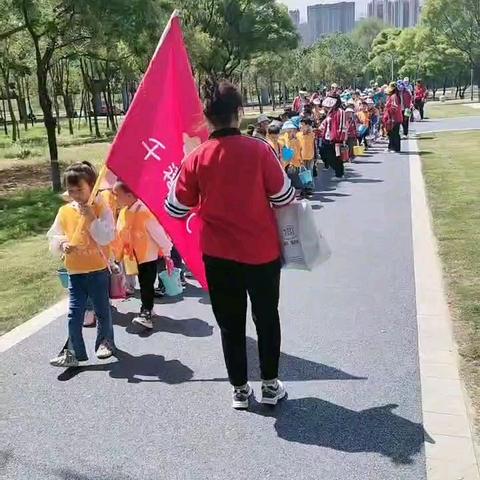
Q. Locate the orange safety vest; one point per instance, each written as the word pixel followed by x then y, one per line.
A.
pixel 135 240
pixel 88 256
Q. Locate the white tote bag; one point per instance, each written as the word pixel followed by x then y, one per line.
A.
pixel 303 246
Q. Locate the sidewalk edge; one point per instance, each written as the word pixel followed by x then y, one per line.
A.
pixel 445 402
pixel 28 328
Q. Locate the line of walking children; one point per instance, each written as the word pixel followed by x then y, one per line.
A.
pixel 92 246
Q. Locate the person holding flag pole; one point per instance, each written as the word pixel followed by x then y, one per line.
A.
pixel 81 233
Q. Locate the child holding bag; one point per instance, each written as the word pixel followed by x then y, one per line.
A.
pixel 142 240
pixel 82 234
pixel 306 138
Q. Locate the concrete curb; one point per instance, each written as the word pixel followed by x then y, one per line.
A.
pixel 9 339
pixel 444 399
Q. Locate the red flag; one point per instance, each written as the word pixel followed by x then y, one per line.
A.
pixel 164 123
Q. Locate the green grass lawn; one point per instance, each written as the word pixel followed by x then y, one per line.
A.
pixel 451 166
pixel 448 110
pixel 29 280
pixel 27 209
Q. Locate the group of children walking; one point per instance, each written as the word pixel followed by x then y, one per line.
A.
pixel 115 232
pixel 329 125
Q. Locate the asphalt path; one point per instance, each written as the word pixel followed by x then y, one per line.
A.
pixel 161 410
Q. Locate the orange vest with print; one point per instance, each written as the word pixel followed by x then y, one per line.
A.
pixel 86 257
pixel 133 234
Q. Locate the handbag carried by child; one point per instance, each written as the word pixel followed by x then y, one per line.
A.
pixel 305 176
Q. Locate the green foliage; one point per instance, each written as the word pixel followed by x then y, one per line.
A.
pixel 222 34
pixel 366 31
pixel 458 23
pixel 25 214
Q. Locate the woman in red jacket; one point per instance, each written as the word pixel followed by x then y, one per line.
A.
pixel 421 94
pixel 235 180
pixel 393 118
pixel 334 134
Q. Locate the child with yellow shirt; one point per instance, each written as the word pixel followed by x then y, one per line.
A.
pixel 82 234
pixel 291 142
pixel 142 240
pixel 306 138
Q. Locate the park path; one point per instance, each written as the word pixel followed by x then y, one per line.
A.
pixel 448 124
pixel 162 410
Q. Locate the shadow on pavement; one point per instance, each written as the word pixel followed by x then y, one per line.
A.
pixel 189 327
pixel 292 368
pixel 312 421
pixel 131 368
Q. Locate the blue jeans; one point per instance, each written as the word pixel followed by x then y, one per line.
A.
pixel 93 286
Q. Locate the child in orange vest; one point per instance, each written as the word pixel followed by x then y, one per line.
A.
pixel 143 240
pixel 306 138
pixel 82 234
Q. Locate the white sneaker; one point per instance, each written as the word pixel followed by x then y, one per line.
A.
pixel 271 394
pixel 105 350
pixel 66 359
pixel 241 397
pixel 144 319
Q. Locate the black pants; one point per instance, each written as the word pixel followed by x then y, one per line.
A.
pixel 147 273
pixel 331 160
pixel 419 105
pixel 405 123
pixel 394 142
pixel 229 283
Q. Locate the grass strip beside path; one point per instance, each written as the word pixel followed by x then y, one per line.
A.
pixel 435 110
pixel 451 166
pixel 29 280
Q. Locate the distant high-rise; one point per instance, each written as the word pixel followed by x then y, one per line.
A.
pixel 397 13
pixel 295 16
pixel 325 19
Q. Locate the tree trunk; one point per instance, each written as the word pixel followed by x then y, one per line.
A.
pixel 30 110
pixel 11 112
pixel 257 91
pixel 68 104
pixel 444 85
pixel 21 103
pixel 111 106
pixel 272 93
pixel 4 114
pixel 48 119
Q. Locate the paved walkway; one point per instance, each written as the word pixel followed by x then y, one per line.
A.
pixel 448 124
pixel 161 411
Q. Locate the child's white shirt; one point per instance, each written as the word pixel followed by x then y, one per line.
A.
pixel 102 229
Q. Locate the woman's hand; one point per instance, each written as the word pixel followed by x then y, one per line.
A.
pixel 88 212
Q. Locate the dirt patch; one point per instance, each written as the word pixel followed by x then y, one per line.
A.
pixel 24 177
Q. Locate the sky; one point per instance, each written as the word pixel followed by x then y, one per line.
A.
pixel 360 7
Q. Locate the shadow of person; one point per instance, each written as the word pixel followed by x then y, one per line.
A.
pixel 134 369
pixel 312 421
pixel 292 368
pixel 189 327
pixel 295 369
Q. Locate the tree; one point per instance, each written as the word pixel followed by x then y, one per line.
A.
pixel 366 31
pixel 459 23
pixel 384 57
pixel 221 34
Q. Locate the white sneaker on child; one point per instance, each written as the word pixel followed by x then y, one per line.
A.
pixel 66 359
pixel 105 350
pixel 144 319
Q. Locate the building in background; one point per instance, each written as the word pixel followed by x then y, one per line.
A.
pixel 397 13
pixel 295 17
pixel 326 19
